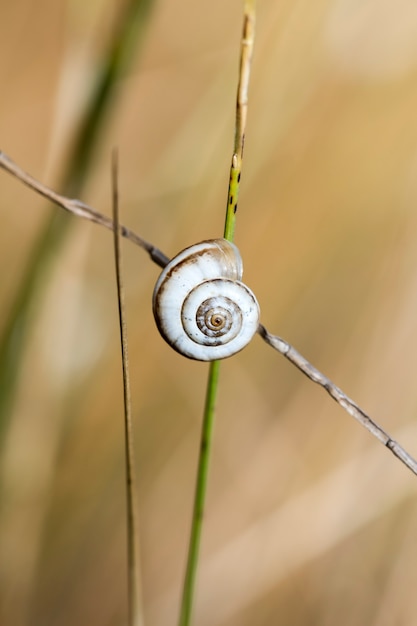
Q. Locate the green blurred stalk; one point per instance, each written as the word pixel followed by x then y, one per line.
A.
pixel 129 34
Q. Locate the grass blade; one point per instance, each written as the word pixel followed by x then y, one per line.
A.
pixel 214 372
pixel 133 560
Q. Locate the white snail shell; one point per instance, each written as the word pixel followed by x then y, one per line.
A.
pixel 201 307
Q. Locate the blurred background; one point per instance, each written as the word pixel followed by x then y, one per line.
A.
pixel 309 520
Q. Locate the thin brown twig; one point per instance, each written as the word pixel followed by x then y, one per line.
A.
pixel 133 560
pixel 80 209
pixel 339 396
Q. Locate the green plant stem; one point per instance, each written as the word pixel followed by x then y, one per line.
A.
pixel 200 494
pixel 214 372
pixel 128 33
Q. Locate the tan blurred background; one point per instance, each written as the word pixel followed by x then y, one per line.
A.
pixel 309 520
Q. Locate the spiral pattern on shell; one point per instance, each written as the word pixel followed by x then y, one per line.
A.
pixel 201 307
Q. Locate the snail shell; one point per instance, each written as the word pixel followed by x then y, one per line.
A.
pixel 201 307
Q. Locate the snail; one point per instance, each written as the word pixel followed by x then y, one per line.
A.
pixel 201 307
